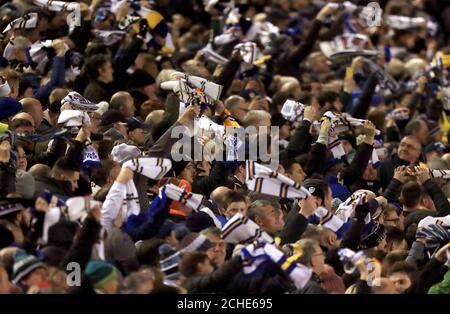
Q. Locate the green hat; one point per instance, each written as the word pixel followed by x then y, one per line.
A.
pixel 100 273
pixel 24 265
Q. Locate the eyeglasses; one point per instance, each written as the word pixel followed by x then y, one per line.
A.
pixel 319 254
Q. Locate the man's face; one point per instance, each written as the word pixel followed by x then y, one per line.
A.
pixel 318 260
pixel 401 281
pixel 36 278
pixel 137 136
pixel 236 207
pixel 409 150
pixel 188 173
pixel 320 64
pixel 217 251
pixel 73 178
pixel 391 218
pixel 106 73
pixel 284 131
pixel 280 221
pixel 150 90
pixel 22 159
pixel 296 173
pixel 328 201
pixel 128 107
pixel 239 111
pixel 268 219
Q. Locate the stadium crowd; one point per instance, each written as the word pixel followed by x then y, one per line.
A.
pixel 350 99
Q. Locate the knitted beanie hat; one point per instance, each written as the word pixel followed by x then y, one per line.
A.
pixel 100 273
pixel 24 265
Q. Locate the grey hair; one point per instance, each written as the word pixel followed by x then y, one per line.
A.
pixel 254 210
pixel 308 249
pixel 233 101
pixel 254 117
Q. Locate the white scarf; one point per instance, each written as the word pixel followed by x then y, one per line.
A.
pixel 5 89
pixel 191 83
pixel 293 110
pixel 78 102
pixel 262 179
pixel 406 22
pixel 109 38
pixel 444 174
pixel 443 221
pixel 213 56
pixel 127 21
pixel 39 53
pixel 250 53
pixel 335 220
pixel 191 200
pixel 57 6
pixel 143 11
pixel 342 123
pixel 125 196
pixel 76 209
pixel 254 255
pixel 399 114
pixel 241 229
pixel 29 20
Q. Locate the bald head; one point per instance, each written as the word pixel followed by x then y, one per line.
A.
pixel 123 102
pixel 24 116
pixel 446 157
pixel 154 117
pixel 34 108
pixel 58 94
pixel 40 170
pixel 218 195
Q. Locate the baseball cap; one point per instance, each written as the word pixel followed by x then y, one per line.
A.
pixel 112 116
pixel 134 123
pixel 435 147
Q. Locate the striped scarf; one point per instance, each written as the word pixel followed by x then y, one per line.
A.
pixel 337 220
pixel 27 21
pixel 384 78
pixel 109 38
pixel 213 56
pixel 342 123
pixel 399 114
pixel 256 254
pixel 191 200
pixel 78 102
pixel 125 196
pixel 39 52
pixel 251 56
pixel 262 179
pixel 241 229
pixel 293 110
pixel 444 174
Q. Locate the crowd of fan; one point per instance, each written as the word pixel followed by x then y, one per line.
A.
pixel 92 199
